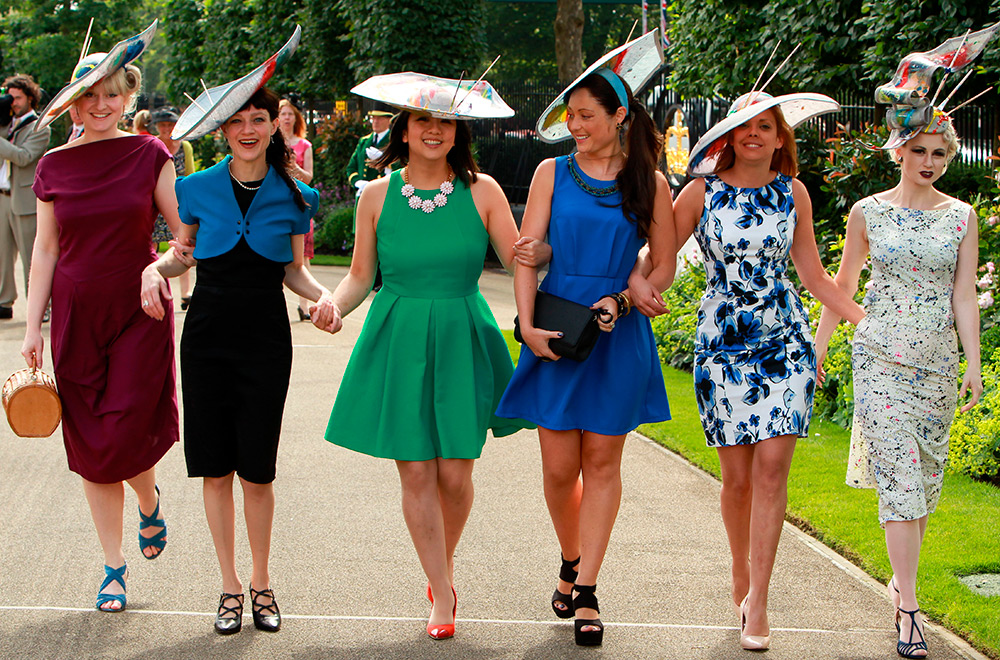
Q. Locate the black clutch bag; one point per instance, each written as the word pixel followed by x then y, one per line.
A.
pixel 577 322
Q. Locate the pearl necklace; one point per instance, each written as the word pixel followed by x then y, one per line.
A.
pixel 240 183
pixel 427 205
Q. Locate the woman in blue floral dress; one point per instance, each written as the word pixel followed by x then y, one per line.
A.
pixel 755 365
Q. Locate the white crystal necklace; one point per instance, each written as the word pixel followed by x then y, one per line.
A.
pixel 427 205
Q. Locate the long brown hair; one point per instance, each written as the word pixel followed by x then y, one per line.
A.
pixel 299 127
pixel 784 160
pixel 637 178
pixel 459 156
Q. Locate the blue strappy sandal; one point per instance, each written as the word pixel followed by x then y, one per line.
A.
pixel 157 541
pixel 112 575
pixel 906 649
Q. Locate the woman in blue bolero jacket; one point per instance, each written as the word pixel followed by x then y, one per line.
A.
pixel 250 218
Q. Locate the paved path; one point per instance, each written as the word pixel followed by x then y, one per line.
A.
pixel 347 577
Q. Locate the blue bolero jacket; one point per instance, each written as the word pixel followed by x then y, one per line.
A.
pixel 206 199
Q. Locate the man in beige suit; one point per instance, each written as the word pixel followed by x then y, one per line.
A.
pixel 20 148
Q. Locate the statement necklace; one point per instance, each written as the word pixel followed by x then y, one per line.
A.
pixel 427 205
pixel 240 183
pixel 586 187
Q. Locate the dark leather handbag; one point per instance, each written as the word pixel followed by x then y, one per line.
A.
pixel 577 322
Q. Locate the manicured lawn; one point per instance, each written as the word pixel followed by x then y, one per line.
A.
pixel 331 260
pixel 963 536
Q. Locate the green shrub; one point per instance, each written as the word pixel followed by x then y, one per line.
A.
pixel 974 447
pixel 675 330
pixel 334 143
pixel 335 231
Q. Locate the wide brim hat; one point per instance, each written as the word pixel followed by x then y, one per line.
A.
pixel 215 105
pixel 444 98
pixel 167 114
pixel 796 108
pixel 635 63
pixel 91 70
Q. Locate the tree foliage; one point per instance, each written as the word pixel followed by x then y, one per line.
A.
pixel 719 47
pixel 443 38
pixel 43 38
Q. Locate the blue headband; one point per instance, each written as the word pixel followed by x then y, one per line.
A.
pixel 616 84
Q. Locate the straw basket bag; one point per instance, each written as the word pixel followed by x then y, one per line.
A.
pixel 32 403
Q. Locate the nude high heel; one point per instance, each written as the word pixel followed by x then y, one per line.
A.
pixel 751 642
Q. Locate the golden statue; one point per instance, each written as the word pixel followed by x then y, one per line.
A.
pixel 676 145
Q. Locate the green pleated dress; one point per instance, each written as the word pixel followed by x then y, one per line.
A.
pixel 430 365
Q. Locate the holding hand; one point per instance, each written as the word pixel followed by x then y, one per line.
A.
pixel 605 317
pixel 184 252
pixel 325 315
pixel 32 348
pixel 537 340
pixel 153 290
pixel 532 252
pixel 645 297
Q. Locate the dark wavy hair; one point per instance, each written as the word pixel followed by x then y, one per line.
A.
pixel 26 84
pixel 278 155
pixel 637 178
pixel 459 157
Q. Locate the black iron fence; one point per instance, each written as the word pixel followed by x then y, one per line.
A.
pixel 509 150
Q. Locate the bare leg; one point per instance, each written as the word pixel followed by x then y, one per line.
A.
pixel 771 461
pixel 425 522
pixel 563 489
pixel 106 503
pixel 737 496
pixel 258 510
pixel 144 485
pixel 221 515
pixel 455 492
pixel 184 279
pixel 600 461
pixel 902 540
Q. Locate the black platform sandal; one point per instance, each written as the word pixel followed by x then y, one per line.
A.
pixel 906 649
pixel 567 573
pixel 585 598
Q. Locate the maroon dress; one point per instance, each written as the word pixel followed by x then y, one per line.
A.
pixel 114 365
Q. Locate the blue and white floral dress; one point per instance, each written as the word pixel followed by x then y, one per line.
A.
pixel 755 363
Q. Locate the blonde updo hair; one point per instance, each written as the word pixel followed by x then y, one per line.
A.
pixel 951 142
pixel 126 82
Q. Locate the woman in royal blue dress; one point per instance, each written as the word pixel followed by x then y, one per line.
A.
pixel 755 365
pixel 599 206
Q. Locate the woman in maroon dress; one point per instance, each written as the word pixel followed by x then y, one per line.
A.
pixel 114 365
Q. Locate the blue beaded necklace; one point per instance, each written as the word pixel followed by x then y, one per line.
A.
pixel 586 187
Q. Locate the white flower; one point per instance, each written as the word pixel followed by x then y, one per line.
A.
pixel 447 187
pixel 992 220
pixel 415 202
pixel 408 190
pixel 985 281
pixel 440 199
pixel 428 205
pixel 990 267
pixel 985 300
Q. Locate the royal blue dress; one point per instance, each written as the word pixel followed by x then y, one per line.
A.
pixel 620 385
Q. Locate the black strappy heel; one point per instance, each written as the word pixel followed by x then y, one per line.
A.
pixel 906 649
pixel 229 620
pixel 567 573
pixel 585 598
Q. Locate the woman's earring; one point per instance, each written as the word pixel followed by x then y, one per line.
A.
pixel 619 127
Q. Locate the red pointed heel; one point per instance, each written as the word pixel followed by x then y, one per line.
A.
pixel 444 630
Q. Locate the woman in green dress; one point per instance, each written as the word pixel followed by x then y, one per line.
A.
pixel 430 365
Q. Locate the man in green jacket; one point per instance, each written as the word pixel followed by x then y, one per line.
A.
pixel 359 170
